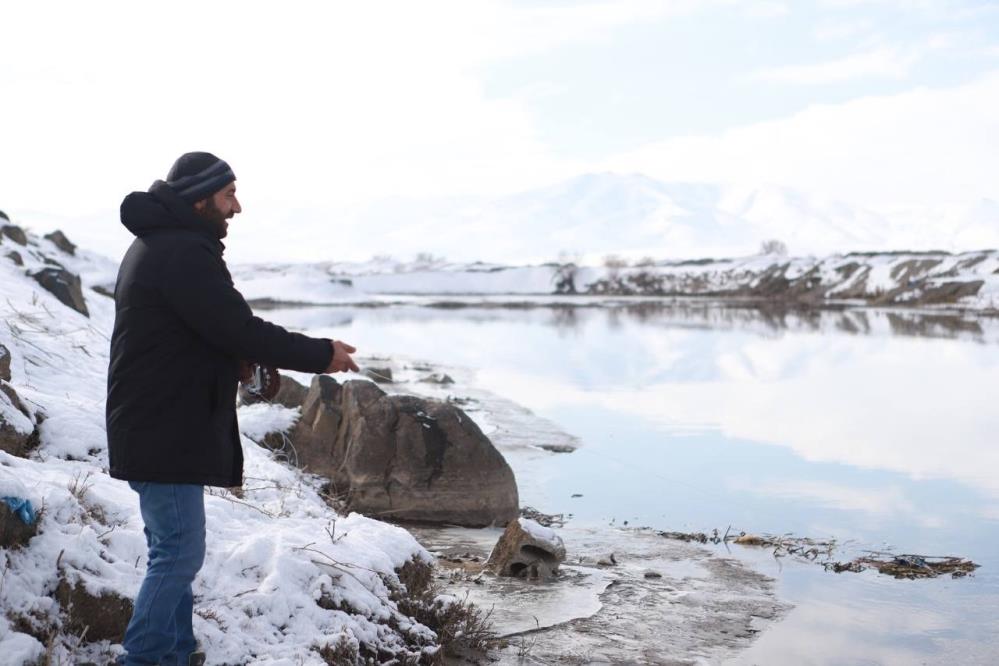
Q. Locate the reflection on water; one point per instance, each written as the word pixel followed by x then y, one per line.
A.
pixel 872 427
pixel 680 313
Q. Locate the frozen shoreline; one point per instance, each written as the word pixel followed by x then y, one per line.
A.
pixel 660 601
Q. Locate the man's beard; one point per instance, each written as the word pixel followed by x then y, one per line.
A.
pixel 216 218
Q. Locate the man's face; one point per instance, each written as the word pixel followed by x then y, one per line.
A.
pixel 220 207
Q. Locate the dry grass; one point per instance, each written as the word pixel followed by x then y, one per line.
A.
pixel 461 627
pixel 340 652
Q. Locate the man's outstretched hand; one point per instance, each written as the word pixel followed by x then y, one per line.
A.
pixel 342 362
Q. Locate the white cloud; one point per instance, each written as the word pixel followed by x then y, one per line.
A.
pixel 767 9
pixel 317 102
pixel 925 146
pixel 881 63
pixel 320 106
pixel 835 30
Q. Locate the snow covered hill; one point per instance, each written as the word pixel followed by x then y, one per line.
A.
pixel 286 580
pixel 968 281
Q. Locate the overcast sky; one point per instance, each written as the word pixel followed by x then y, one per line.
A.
pixel 322 106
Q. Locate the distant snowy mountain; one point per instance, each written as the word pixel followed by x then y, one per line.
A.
pixel 587 217
pixel 594 215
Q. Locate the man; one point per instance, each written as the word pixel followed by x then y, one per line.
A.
pixel 181 333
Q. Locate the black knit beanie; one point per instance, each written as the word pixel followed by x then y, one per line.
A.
pixel 196 176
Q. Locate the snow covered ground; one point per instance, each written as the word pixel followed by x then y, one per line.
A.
pixel 274 550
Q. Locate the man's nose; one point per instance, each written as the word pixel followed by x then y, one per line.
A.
pixel 236 207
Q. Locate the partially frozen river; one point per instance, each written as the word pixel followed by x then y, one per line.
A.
pixel 874 428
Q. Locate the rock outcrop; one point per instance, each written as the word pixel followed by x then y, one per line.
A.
pixel 4 364
pixel 14 532
pixel 15 233
pixel 63 285
pixel 59 239
pixel 103 617
pixel 527 550
pixel 438 378
pixel 18 433
pixel 104 290
pixel 880 279
pixel 403 457
pixel 945 293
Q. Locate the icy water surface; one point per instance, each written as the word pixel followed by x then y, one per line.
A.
pixel 875 428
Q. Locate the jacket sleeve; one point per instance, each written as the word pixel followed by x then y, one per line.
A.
pixel 198 287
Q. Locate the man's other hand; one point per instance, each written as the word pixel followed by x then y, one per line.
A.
pixel 342 362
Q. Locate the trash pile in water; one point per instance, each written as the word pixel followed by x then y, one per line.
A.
pixel 907 566
pixel 821 551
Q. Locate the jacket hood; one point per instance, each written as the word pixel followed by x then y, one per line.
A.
pixel 160 208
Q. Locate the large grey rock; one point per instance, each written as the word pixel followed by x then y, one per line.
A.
pixel 317 431
pixel 18 434
pixel 59 239
pixel 4 363
pixel 15 233
pixel 527 550
pixel 63 285
pixel 15 256
pixel 403 457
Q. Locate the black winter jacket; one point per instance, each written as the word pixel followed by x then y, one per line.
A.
pixel 180 328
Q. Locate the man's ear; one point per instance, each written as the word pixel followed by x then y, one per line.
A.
pixel 200 205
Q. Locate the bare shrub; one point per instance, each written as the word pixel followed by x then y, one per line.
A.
pixel 774 246
pixel 565 278
pixel 460 626
pixel 615 262
pixel 340 652
pixel 427 259
pixel 80 486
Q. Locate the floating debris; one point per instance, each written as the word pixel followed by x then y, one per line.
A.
pixel 910 567
pixel 699 537
pixel 821 551
pixel 557 448
pixel 545 519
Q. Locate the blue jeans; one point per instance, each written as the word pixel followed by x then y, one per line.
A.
pixel 160 631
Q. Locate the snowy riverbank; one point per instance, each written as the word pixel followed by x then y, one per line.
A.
pixel 932 279
pixel 286 579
